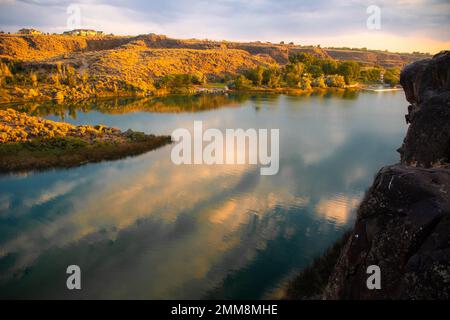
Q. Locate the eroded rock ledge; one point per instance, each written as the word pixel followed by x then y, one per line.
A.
pixel 403 223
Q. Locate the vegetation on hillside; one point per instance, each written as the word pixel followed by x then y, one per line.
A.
pixel 28 142
pixel 45 67
pixel 43 47
pixel 306 71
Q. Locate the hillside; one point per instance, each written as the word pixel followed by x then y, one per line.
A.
pixel 43 67
pixel 42 47
pixel 135 62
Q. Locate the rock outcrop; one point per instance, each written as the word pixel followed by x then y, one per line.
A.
pixel 427 88
pixel 403 223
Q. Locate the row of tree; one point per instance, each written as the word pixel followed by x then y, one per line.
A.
pixel 303 71
pixel 306 70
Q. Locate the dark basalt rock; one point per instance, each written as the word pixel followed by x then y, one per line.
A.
pixel 427 88
pixel 403 226
pixel 403 223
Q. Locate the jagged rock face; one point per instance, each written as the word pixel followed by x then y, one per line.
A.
pixel 403 227
pixel 427 88
pixel 403 224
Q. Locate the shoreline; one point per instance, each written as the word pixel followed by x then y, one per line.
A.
pixel 290 91
pixel 16 158
pixel 29 143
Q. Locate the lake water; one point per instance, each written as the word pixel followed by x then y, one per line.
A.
pixel 145 228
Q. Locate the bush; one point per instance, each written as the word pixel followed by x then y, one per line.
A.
pixel 319 82
pixel 241 83
pixel 392 77
pixel 336 81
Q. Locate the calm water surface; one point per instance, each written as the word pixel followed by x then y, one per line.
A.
pixel 147 229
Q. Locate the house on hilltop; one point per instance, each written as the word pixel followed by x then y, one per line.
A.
pixel 29 31
pixel 83 33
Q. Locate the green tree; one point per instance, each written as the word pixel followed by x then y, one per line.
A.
pixel 319 82
pixel 370 75
pixel 392 76
pixel 305 83
pixel 293 73
pixel 296 67
pixel 335 80
pixel 315 70
pixel 256 75
pixel 349 70
pixel 272 78
pixel 241 83
pixel 303 57
pixel 329 66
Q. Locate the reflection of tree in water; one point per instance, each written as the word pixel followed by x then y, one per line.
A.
pixel 167 104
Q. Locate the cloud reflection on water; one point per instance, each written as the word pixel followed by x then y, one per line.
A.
pixel 145 228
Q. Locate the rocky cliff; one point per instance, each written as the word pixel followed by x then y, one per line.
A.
pixel 403 223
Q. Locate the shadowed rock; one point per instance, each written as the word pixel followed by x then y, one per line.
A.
pixel 427 88
pixel 403 227
pixel 403 223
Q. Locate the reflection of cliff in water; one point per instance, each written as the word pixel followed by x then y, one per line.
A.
pixel 168 104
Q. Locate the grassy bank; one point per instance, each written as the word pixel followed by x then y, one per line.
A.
pixel 311 281
pixel 32 143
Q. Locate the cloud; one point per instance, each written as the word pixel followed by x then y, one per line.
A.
pixel 266 20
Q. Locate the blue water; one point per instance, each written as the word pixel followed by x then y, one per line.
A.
pixel 144 228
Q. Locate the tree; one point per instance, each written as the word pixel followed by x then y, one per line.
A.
pixel 349 70
pixel 69 72
pixel 199 79
pixel 335 80
pixel 292 79
pixel 295 67
pixel 303 57
pixel 4 73
pixel 329 66
pixel 54 78
pixel 175 82
pixel 272 78
pixel 256 75
pixel 315 71
pixel 305 83
pixel 33 79
pixel 319 82
pixel 371 74
pixel 242 83
pixel 392 76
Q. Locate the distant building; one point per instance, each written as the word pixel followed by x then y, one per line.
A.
pixel 83 33
pixel 29 31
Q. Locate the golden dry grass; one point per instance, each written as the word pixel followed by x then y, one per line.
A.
pixel 19 127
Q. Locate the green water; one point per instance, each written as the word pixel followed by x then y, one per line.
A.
pixel 145 228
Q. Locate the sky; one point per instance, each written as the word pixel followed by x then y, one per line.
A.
pixel 404 25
